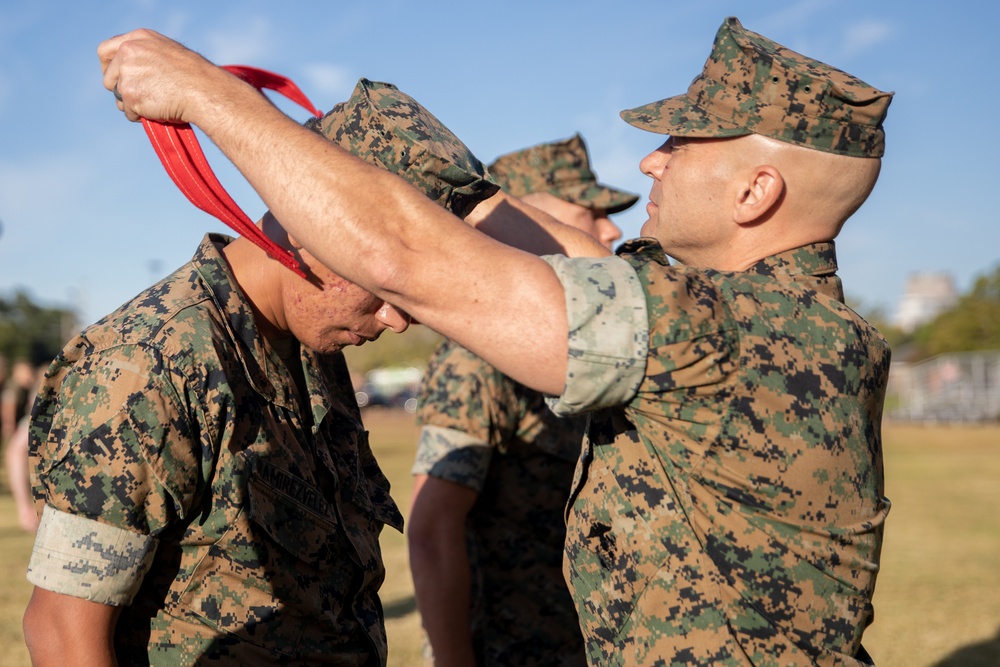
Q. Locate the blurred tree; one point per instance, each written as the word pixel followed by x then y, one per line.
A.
pixel 972 324
pixel 33 332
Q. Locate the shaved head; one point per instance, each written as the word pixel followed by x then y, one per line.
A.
pixel 823 188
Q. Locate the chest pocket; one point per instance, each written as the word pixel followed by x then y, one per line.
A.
pixel 266 580
pixel 291 512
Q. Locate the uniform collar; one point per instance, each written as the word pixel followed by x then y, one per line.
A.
pixel 813 265
pixel 816 259
pixel 263 367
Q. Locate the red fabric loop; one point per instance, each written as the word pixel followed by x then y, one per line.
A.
pixel 182 157
pixel 261 78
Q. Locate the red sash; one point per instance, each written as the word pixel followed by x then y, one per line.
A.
pixel 182 157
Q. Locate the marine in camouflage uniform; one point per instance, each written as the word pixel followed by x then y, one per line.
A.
pixel 728 509
pixel 184 476
pixel 513 462
pixel 215 483
pixel 729 506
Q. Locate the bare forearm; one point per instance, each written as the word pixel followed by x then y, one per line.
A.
pixel 8 419
pixel 441 581
pixel 16 459
pixel 366 224
pixel 320 193
pixel 439 563
pixel 377 231
pixel 520 225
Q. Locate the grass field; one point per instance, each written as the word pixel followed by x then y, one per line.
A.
pixel 938 596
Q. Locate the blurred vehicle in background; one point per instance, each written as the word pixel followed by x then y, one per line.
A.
pixel 393 387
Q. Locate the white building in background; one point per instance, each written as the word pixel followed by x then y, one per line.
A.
pixel 926 295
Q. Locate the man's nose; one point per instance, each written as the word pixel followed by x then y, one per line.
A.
pixel 608 232
pixel 393 318
pixel 652 165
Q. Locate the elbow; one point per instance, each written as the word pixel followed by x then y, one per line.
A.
pixel 431 538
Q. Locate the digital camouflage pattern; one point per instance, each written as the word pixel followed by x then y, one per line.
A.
pixel 561 168
pixel 483 430
pixel 173 423
pixel 103 563
pixel 390 129
pixel 731 512
pixel 753 85
pixel 256 515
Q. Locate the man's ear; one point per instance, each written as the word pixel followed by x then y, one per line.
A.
pixel 762 193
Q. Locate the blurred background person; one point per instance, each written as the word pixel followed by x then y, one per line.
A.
pixel 3 383
pixel 15 400
pixel 16 462
pixel 494 467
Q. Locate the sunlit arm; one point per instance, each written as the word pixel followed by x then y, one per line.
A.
pixel 65 631
pixel 520 225
pixel 366 224
pixel 439 563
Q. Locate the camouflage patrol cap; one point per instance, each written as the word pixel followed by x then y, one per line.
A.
pixel 561 168
pixel 751 85
pixel 390 129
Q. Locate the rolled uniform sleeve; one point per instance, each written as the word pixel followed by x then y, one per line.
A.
pixel 88 559
pixel 466 409
pixel 115 463
pixel 608 332
pixel 452 455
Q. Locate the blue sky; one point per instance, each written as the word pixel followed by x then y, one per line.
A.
pixel 89 217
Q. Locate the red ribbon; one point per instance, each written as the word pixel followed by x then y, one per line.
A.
pixel 182 157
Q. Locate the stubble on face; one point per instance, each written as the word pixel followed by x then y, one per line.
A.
pixel 331 314
pixel 692 179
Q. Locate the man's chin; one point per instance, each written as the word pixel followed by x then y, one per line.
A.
pixel 328 347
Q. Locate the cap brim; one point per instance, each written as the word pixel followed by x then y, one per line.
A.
pixel 599 197
pixel 678 116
